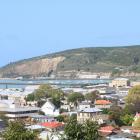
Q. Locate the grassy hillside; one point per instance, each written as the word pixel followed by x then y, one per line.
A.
pixel 101 59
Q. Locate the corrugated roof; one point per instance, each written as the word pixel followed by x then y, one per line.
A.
pixel 35 127
pixel 90 110
pixel 20 109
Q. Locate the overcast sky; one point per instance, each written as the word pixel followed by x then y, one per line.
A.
pixel 34 27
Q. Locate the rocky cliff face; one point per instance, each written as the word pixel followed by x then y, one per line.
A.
pixel 32 67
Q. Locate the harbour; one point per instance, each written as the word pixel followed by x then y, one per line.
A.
pixel 12 83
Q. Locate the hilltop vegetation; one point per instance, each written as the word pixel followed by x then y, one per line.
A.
pixel 100 59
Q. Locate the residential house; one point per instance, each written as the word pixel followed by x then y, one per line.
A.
pixel 36 127
pixel 84 105
pixel 123 91
pixel 49 109
pixel 135 83
pixel 120 82
pixel 93 114
pixel 107 130
pixel 103 104
pixel 53 126
pixel 42 118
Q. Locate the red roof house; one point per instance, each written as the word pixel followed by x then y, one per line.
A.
pixel 53 125
pixel 107 130
pixel 102 102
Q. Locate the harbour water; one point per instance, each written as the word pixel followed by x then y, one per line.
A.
pixel 12 83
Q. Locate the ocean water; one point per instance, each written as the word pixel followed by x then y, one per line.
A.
pixel 11 83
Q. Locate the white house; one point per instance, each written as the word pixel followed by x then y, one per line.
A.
pixel 49 109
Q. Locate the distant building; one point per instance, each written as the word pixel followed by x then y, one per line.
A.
pixel 36 127
pixel 66 107
pixel 93 114
pixel 120 82
pixel 103 104
pixel 84 105
pixel 123 91
pixel 13 110
pixel 42 118
pixel 135 83
pixel 87 76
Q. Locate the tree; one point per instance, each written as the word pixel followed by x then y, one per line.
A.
pixel 127 119
pixel 30 97
pixel 85 131
pixel 4 119
pixel 60 118
pixel 129 109
pixel 75 98
pixel 136 60
pixel 133 98
pixel 91 130
pixel 115 113
pixel 73 116
pixel 92 96
pixel 40 103
pixel 44 92
pixel 105 111
pixel 17 131
pixel 73 131
pixel 136 123
pixel 56 101
pixel 115 72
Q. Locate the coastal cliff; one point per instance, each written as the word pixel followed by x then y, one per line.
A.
pixel 111 60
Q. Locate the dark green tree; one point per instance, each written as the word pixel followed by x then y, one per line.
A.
pixel 85 131
pixel 60 118
pixel 91 130
pixel 136 124
pixel 17 131
pixel 4 119
pixel 44 92
pixel 133 98
pixel 115 113
pixel 92 96
pixel 73 131
pixel 75 98
pixel 127 119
